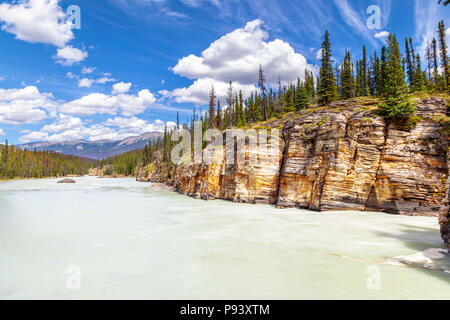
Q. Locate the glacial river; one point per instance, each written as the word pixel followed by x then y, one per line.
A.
pixel 121 239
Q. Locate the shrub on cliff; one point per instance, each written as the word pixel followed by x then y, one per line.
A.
pixel 396 108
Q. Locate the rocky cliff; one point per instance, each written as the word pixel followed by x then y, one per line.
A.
pixel 340 157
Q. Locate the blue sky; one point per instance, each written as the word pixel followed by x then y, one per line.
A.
pixel 134 63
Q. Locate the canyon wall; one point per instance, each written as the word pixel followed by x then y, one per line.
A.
pixel 340 157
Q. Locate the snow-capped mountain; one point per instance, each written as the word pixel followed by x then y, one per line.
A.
pixel 100 149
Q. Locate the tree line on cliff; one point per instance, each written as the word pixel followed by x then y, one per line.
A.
pixel 390 76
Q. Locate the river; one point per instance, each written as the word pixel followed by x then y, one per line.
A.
pixel 121 239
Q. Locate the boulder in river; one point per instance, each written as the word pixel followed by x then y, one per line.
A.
pixel 67 181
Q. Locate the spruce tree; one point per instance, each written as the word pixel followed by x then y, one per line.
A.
pixel 364 78
pixel 271 104
pixel 444 55
pixel 383 69
pixel 396 105
pixel 435 63
pixel 241 110
pixel 377 74
pixel 251 107
pixel 409 64
pixel 302 98
pixel 347 80
pixel 238 113
pixel 309 83
pixel 219 116
pixel 212 107
pixel 257 109
pixel 418 82
pixel 261 84
pixel 327 83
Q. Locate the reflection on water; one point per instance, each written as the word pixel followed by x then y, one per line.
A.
pixel 117 238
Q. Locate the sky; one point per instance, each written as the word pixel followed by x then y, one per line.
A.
pixel 133 64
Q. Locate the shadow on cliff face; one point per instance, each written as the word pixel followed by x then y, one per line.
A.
pixel 431 257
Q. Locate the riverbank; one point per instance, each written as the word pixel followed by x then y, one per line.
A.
pixel 43 178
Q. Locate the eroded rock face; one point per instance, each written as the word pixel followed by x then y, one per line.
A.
pixel 444 217
pixel 249 181
pixel 96 172
pixel 342 157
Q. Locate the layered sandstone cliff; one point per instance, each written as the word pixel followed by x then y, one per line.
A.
pixel 341 157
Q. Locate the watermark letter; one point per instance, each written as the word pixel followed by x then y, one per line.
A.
pixel 74 16
pixel 74 279
pixel 374 280
pixel 374 21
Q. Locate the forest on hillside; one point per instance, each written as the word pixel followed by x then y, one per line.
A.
pixel 122 164
pixel 18 163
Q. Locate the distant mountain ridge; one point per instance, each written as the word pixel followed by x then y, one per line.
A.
pixel 96 150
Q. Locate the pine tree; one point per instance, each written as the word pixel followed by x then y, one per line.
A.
pixel 435 63
pixel 212 107
pixel 309 83
pixel 444 55
pixel 302 99
pixel 413 55
pixel 251 107
pixel 230 105
pixel 377 74
pixel 226 119
pixel 347 80
pixel 257 109
pixel 364 84
pixel 165 144
pixel 238 113
pixel 409 64
pixel 327 83
pixel 396 105
pixel 338 79
pixel 371 77
pixel 383 73
pixel 262 87
pixel 419 82
pixel 241 110
pixel 271 104
pixel 429 56
pixel 219 116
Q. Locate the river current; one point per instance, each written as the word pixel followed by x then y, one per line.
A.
pixel 121 239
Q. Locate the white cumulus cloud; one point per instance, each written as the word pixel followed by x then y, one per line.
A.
pixel 121 87
pixel 382 34
pixel 99 103
pixel 37 21
pixel 85 83
pixel 69 55
pixel 236 56
pixel 25 106
pixel 87 70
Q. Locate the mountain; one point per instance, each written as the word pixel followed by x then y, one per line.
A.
pixel 97 150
